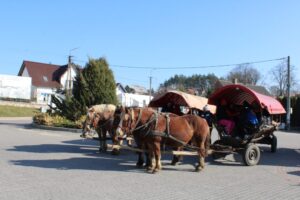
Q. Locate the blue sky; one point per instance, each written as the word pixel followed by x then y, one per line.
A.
pixel 150 34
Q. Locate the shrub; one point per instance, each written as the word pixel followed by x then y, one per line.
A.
pixel 57 121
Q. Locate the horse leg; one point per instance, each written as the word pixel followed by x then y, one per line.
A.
pixel 115 150
pixel 103 140
pixel 148 160
pixel 201 154
pixel 140 161
pixel 140 145
pixel 100 139
pixel 157 155
pixel 176 158
pixel 152 165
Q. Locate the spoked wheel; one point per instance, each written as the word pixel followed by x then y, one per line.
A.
pixel 273 144
pixel 251 155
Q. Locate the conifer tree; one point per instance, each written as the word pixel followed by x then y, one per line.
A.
pixel 95 84
pixel 100 82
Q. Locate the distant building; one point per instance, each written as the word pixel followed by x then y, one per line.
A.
pixel 47 79
pixel 15 87
pixel 130 99
pixel 139 89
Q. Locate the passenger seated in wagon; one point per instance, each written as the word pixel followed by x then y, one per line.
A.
pixel 207 115
pixel 225 117
pixel 248 123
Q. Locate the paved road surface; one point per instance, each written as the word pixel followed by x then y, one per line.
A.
pixel 50 165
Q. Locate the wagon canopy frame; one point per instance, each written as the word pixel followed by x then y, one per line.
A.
pixel 181 99
pixel 237 94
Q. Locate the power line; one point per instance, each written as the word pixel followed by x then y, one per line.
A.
pixel 206 66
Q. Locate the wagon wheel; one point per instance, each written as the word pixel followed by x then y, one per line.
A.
pixel 273 144
pixel 251 155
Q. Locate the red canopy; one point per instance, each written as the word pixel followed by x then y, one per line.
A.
pixel 237 94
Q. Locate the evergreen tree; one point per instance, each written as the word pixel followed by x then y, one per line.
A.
pixel 100 82
pixel 95 84
pixel 204 84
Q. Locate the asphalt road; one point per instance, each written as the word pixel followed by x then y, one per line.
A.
pixel 48 165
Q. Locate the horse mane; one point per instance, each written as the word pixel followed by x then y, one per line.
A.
pixel 101 108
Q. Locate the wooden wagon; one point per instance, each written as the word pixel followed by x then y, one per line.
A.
pixel 237 95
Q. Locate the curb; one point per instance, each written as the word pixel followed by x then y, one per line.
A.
pixel 52 128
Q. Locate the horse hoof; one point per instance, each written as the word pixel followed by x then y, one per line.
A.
pixel 115 152
pixel 102 150
pixel 174 163
pixel 139 164
pixel 198 169
pixel 149 170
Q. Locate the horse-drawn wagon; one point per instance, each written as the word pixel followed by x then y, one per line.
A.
pixel 152 129
pixel 243 103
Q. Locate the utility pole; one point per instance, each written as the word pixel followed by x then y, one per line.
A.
pixel 150 90
pixel 288 103
pixel 69 79
pixel 69 74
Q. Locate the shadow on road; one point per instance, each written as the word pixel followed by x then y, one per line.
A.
pixel 20 124
pixel 284 157
pixel 89 159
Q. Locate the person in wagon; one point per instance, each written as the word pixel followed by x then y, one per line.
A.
pixel 224 117
pixel 167 108
pixel 208 116
pixel 248 121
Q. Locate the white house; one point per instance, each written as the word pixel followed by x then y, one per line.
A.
pixel 130 99
pixel 47 79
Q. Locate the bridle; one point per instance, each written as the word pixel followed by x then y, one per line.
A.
pixel 132 125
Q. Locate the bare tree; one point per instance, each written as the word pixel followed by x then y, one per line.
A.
pixel 279 75
pixel 245 74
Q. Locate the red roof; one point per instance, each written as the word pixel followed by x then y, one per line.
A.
pixel 43 75
pixel 237 94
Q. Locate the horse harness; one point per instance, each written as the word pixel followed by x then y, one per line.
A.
pixel 154 132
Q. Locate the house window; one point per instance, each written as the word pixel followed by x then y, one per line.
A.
pixel 45 78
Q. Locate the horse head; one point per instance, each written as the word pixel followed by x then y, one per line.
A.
pixel 126 120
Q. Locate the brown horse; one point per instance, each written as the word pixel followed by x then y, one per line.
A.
pixel 152 129
pixel 119 113
pixel 101 118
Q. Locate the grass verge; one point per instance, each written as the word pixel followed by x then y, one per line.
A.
pixel 14 111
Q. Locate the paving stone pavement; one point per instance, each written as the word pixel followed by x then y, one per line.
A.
pixel 42 164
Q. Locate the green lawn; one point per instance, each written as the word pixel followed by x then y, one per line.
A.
pixel 12 111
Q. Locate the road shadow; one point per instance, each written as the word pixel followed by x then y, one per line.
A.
pixel 21 124
pixel 99 162
pixel 91 159
pixel 55 148
pixel 296 173
pixel 283 157
pixel 88 158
